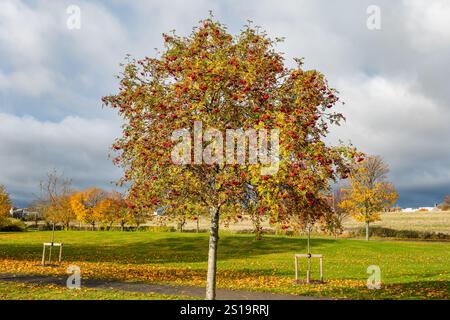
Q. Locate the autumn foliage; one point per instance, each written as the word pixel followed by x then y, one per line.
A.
pixel 5 202
pixel 89 205
pixel 113 209
pixel 445 205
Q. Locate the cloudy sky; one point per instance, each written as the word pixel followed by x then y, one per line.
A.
pixel 394 80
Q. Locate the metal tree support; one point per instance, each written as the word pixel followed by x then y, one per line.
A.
pixel 51 245
pixel 308 272
pixel 309 256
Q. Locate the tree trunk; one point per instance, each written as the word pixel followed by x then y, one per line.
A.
pixel 181 225
pixel 122 224
pixel 198 225
pixel 212 255
pixel 367 231
pixel 308 272
pixel 309 240
pixel 257 226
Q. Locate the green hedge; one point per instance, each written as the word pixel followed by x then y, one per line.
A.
pixel 402 234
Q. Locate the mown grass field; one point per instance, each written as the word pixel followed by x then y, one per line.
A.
pixel 409 270
pixel 432 221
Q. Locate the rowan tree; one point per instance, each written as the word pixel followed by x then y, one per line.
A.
pixel 5 202
pixel 365 197
pixel 225 82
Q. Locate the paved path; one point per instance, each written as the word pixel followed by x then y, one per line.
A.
pixel 222 294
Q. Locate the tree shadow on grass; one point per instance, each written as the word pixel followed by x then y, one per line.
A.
pixel 174 248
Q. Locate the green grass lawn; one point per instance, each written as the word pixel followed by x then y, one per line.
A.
pixel 408 269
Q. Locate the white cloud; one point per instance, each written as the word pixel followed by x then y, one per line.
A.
pixel 24 38
pixel 78 147
pixel 428 23
pixel 38 49
pixel 24 32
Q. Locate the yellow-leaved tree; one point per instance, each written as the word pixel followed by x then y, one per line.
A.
pixel 368 192
pixel 112 209
pixel 88 206
pixel 5 202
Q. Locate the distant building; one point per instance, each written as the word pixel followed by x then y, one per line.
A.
pixel 419 209
pixel 160 211
pixel 22 214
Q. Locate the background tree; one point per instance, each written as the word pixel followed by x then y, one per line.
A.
pixel 119 209
pixel 53 202
pixel 59 212
pixel 183 212
pixel 368 193
pixel 333 220
pixel 376 170
pixel 113 209
pixel 5 202
pixel 107 210
pixel 88 206
pixel 225 82
pixel 445 205
pixel 139 216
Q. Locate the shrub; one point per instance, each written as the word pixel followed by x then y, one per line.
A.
pixel 158 229
pixel 250 231
pixel 195 230
pixel 11 225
